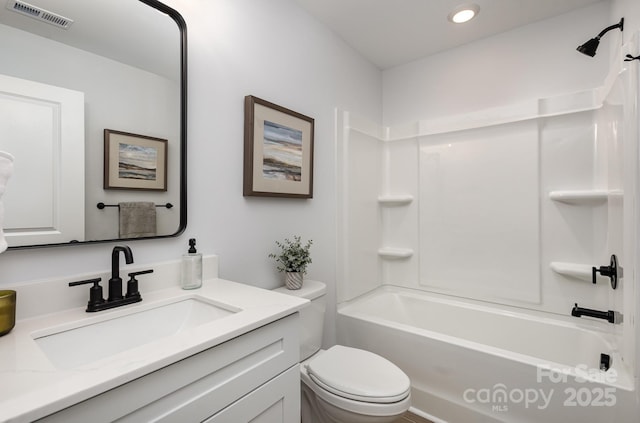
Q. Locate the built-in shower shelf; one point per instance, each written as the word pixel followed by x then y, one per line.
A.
pixel 585 197
pixel 395 200
pixel 395 253
pixel 573 270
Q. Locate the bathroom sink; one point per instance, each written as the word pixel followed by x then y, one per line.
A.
pixel 70 347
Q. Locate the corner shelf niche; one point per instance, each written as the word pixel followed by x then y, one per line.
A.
pixel 573 270
pixel 395 253
pixel 589 197
pixel 395 200
pixel 582 197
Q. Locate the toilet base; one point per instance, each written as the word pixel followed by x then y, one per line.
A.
pixel 315 410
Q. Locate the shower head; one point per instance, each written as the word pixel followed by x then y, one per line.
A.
pixel 589 48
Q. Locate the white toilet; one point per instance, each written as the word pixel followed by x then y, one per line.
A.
pixel 343 384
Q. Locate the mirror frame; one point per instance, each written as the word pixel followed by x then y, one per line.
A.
pixel 182 27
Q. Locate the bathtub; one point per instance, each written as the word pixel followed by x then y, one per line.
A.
pixel 470 362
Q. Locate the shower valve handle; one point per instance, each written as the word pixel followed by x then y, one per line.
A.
pixel 610 271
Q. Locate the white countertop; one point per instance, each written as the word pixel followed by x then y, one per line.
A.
pixel 32 387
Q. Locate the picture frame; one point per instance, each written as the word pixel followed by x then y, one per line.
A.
pixel 278 151
pixel 133 161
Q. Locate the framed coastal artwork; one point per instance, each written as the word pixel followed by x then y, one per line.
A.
pixel 133 161
pixel 278 151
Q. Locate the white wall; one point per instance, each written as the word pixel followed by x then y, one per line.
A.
pixel 277 52
pixel 630 10
pixel 535 61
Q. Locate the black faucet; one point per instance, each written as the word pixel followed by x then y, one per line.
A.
pixel 115 283
pixel 609 316
pixel 115 299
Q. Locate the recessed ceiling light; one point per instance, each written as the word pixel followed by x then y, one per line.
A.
pixel 464 13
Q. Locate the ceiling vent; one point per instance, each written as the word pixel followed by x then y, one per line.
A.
pixel 39 14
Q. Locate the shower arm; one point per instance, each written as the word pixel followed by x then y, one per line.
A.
pixel 609 28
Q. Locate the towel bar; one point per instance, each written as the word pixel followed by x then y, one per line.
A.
pixel 103 205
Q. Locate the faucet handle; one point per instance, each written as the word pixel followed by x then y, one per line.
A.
pixel 95 292
pixel 132 284
pixel 93 281
pixel 613 272
pixel 142 272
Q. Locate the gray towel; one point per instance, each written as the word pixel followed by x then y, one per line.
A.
pixel 137 219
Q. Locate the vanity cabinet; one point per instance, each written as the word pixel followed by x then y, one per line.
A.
pixel 269 403
pixel 253 377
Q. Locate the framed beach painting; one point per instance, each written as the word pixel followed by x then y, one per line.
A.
pixel 278 151
pixel 133 161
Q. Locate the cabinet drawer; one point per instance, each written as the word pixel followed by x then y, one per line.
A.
pixel 199 386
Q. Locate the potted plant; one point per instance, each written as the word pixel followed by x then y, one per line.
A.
pixel 293 259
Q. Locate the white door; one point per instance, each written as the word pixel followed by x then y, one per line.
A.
pixel 43 127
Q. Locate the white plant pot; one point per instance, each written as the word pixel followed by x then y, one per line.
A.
pixel 293 280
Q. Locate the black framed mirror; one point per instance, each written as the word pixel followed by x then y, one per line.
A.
pixel 93 106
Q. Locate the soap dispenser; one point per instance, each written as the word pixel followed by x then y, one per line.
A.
pixel 191 268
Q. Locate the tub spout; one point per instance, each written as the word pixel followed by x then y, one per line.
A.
pixel 610 315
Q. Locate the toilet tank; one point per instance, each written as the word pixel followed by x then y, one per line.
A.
pixel 311 317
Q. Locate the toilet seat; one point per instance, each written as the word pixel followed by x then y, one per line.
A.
pixel 358 375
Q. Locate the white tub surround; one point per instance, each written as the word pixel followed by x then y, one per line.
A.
pixel 487 205
pixel 510 208
pixel 33 387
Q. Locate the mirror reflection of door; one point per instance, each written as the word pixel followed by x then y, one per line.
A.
pixel 122 59
pixel 34 119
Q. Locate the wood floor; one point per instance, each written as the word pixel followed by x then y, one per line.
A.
pixel 412 418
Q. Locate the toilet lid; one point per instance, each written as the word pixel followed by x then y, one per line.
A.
pixel 359 375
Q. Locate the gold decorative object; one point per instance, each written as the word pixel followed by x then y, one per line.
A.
pixel 7 311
